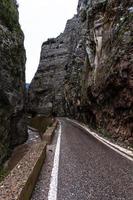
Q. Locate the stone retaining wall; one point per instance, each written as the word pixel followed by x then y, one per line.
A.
pixel 19 184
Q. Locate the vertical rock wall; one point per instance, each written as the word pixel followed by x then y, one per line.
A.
pixel 96 80
pixel 12 79
pixel 46 92
pixel 110 84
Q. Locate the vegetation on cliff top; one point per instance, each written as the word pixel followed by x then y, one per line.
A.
pixel 9 14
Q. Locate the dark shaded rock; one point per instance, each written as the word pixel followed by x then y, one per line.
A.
pixel 12 79
pixel 130 140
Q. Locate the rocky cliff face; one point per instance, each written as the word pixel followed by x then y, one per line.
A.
pixel 110 72
pixel 12 79
pixel 95 77
pixel 46 93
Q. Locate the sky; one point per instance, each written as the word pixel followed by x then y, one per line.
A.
pixel 40 20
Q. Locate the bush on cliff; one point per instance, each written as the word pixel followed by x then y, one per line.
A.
pixel 9 14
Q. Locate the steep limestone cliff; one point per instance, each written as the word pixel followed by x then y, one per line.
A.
pixel 46 92
pixel 12 79
pixel 109 94
pixel 96 80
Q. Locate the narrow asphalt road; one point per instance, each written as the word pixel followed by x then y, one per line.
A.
pixel 88 169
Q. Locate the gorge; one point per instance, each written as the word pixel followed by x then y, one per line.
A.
pixel 86 72
pixel 69 133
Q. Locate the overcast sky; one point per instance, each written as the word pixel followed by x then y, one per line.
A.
pixel 40 20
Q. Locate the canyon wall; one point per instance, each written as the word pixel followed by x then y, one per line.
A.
pixel 12 79
pixel 86 73
pixel 46 92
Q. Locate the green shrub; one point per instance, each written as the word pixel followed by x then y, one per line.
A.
pixel 9 14
pixel 3 173
pixel 104 132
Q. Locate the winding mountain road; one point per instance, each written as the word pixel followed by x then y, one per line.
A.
pixel 82 168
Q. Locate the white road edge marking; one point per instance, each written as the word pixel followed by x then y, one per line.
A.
pixel 104 141
pixel 52 194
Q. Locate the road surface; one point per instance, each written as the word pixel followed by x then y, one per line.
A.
pixel 79 167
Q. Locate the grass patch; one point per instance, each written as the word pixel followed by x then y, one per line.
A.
pixel 3 173
pixel 104 133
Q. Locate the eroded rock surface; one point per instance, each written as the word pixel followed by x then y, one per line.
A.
pixel 87 71
pixel 46 93
pixel 12 79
